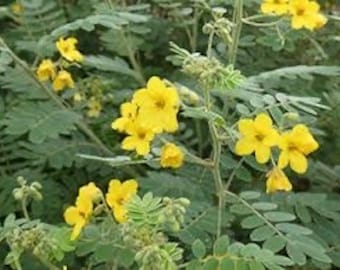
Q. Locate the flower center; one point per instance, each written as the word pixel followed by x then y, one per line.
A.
pixel 141 135
pixel 120 201
pixel 160 103
pixel 300 12
pixel 259 137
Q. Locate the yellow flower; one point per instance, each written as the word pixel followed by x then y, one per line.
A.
pixel 139 139
pixel 171 156
pixel 320 21
pixel 277 181
pixel 78 216
pixel 128 111
pixel 63 80
pixel 158 106
pixel 258 136
pixel 295 145
pixel 91 191
pixel 278 7
pixel 118 195
pixel 94 108
pixel 306 14
pixel 67 48
pixel 17 8
pixel 46 70
pixel 78 97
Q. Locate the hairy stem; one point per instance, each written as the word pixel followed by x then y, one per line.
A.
pixel 237 21
pixel 81 125
pixel 216 158
pixel 24 207
pixel 133 61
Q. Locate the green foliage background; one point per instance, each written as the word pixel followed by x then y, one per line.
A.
pixel 298 71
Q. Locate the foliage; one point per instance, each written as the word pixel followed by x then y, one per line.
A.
pixel 227 62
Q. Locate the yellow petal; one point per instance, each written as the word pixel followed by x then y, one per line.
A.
pixel 277 181
pixel 143 148
pixel 244 146
pixel 72 215
pixel 298 162
pixel 283 159
pixel 77 229
pixel 272 138
pixel 120 214
pixel 130 186
pixel 263 122
pixel 129 143
pixel 262 153
pixel 246 127
pixel 297 22
pixel 155 83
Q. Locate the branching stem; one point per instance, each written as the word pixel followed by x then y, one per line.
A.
pixel 82 125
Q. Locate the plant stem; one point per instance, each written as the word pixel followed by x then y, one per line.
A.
pixel 24 208
pixel 216 153
pixel 82 126
pixel 132 58
pixel 48 264
pixel 210 43
pixel 237 20
pixel 232 175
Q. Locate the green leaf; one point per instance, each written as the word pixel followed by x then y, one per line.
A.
pixel 264 206
pixel 303 213
pixel 227 264
pixel 314 252
pixel 243 174
pixel 201 113
pixel 240 209
pixel 250 195
pixel 210 264
pixel 296 254
pixel 252 222
pixel 293 228
pixel 256 266
pixel 221 245
pixel 104 63
pixel 241 265
pixel 198 249
pixel 42 120
pixel 262 233
pixel 276 216
pixel 275 243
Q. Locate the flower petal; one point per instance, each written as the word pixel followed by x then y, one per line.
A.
pixel 72 215
pixel 298 162
pixel 244 146
pixel 246 127
pixel 263 122
pixel 262 153
pixel 283 159
pixel 130 186
pixel 77 229
pixel 155 83
pixel 120 214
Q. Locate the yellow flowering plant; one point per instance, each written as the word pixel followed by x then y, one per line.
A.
pixel 199 121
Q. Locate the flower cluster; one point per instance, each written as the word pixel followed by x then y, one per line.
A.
pixel 80 214
pixel 118 195
pixel 47 69
pixel 259 136
pixel 152 110
pixel 303 13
